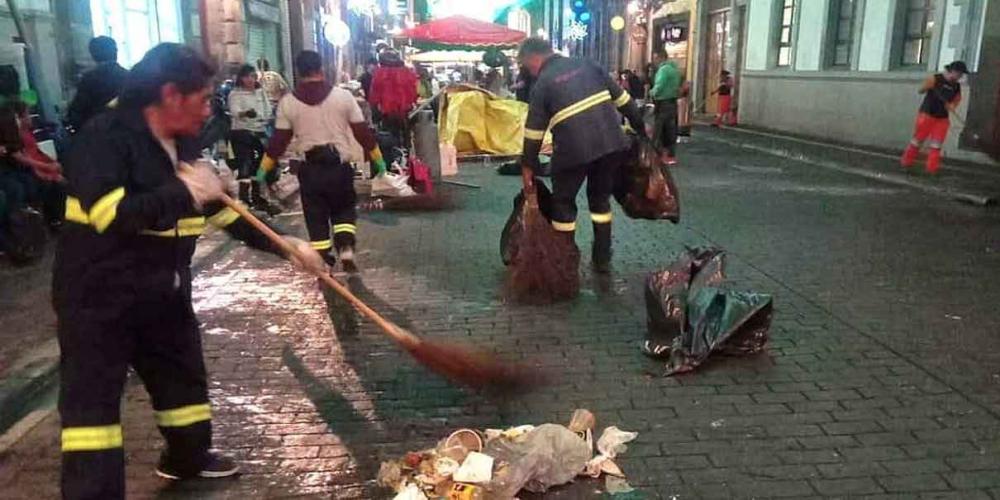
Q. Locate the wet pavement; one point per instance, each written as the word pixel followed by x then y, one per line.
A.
pixel 880 380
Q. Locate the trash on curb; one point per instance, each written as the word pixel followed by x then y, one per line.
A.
pixel 691 313
pixel 499 463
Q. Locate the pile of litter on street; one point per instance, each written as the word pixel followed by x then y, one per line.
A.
pixel 499 463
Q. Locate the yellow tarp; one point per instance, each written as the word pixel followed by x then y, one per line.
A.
pixel 477 121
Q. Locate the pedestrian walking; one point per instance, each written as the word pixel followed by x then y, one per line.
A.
pixel 250 112
pixel 122 277
pixel 942 94
pixel 725 104
pixel 394 93
pixel 665 92
pixel 326 122
pixel 577 101
pixel 272 82
pixel 99 86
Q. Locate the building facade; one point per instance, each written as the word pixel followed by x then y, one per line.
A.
pixel 848 70
pixel 51 53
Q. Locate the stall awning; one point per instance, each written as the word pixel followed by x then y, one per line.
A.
pixel 462 33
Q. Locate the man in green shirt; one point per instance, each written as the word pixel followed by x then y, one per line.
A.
pixel 666 89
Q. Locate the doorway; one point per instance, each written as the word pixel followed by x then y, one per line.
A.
pixel 715 56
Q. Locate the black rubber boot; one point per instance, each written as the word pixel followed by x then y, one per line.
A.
pixel 245 193
pixel 259 202
pixel 601 249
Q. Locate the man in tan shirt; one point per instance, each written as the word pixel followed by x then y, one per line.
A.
pixel 326 122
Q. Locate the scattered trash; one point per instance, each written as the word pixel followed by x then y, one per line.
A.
pixel 477 468
pixel 609 445
pixel 953 317
pixel 410 492
pixel 718 423
pixel 499 463
pixel 391 185
pixel 690 314
pixel 644 187
pixel 547 456
pixel 616 485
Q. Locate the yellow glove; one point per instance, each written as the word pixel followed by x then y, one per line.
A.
pixel 266 165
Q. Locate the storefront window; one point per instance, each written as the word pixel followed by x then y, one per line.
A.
pixel 785 34
pixel 919 26
pixel 137 25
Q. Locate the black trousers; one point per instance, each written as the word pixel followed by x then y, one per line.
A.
pixel 327 189
pixel 248 150
pixel 665 124
pixel 157 336
pixel 600 177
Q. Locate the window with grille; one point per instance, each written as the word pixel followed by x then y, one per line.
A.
pixel 843 38
pixel 785 33
pixel 918 27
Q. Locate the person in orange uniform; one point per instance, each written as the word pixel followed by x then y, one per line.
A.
pixel 942 93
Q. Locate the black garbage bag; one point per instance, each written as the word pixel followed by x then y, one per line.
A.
pixel 509 237
pixel 691 313
pixel 644 187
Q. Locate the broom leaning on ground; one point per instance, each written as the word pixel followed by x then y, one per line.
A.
pixel 545 267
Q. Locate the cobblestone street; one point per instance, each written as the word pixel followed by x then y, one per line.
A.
pixel 880 381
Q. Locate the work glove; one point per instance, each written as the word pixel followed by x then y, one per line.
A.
pixel 202 182
pixel 306 258
pixel 266 165
pixel 378 162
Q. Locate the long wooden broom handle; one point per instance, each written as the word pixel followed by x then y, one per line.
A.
pixel 398 334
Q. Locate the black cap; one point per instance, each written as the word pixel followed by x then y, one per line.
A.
pixel 958 67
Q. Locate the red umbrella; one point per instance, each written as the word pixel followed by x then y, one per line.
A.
pixel 460 32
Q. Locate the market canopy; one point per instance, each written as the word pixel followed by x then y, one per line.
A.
pixel 462 33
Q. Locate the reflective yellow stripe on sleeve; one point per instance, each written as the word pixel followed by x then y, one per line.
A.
pixel 103 212
pixel 190 226
pixel 104 437
pixel 184 416
pixel 534 135
pixel 223 218
pixel 345 228
pixel 579 107
pixel 75 212
pixel 622 99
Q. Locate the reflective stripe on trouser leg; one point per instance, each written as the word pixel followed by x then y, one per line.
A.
pixel 184 415
pixel 93 438
pixel 604 218
pixel 564 227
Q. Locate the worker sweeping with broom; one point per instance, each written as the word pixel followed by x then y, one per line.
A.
pixel 577 101
pixel 122 278
pixel 942 94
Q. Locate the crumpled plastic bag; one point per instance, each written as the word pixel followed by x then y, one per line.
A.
pixel 691 313
pixel 609 445
pixel 410 492
pixel 511 233
pixel 547 456
pixel 644 187
pixel 392 185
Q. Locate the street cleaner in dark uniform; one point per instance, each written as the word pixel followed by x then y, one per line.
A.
pixel 942 94
pixel 122 276
pixel 577 101
pixel 329 126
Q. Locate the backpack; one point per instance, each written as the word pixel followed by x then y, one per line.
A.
pixel 25 235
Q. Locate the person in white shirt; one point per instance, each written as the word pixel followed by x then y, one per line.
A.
pixel 250 112
pixel 327 124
